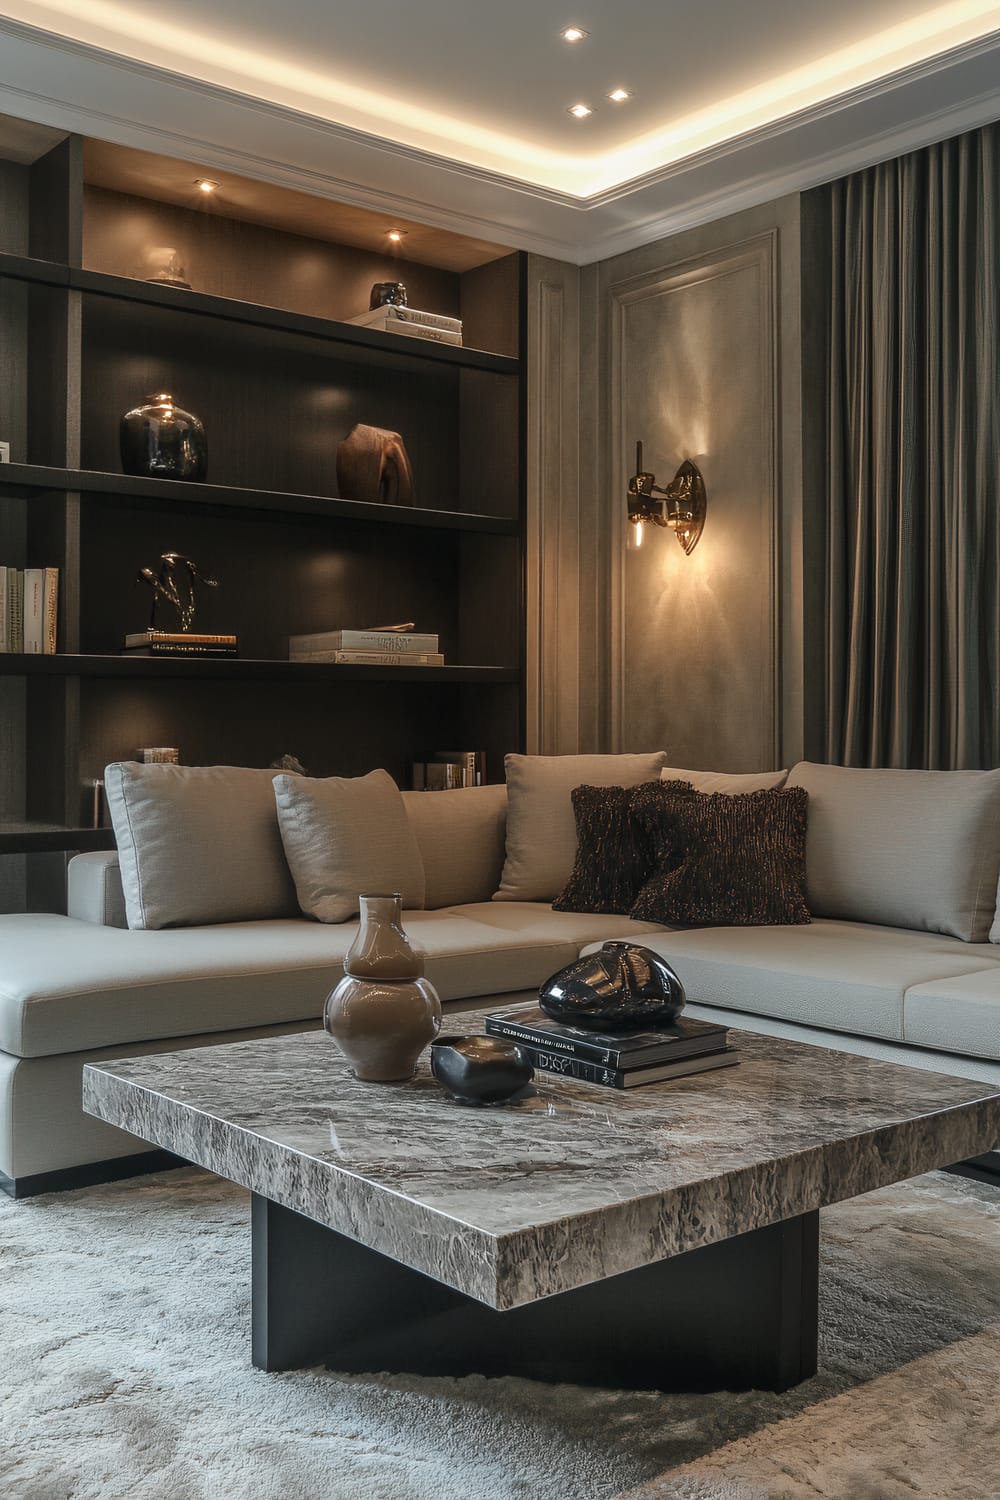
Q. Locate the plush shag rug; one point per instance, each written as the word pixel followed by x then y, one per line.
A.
pixel 125 1375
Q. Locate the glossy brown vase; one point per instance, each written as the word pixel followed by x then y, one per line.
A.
pixel 383 1012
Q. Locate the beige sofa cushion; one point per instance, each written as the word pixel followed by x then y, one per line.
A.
pixel 917 849
pixel 197 844
pixel 845 976
pixel 67 985
pixel 731 782
pixel 344 836
pixel 460 835
pixel 959 1014
pixel 541 827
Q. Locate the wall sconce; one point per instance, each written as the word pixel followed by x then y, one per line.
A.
pixel 682 507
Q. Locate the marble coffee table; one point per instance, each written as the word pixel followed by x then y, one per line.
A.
pixel 663 1237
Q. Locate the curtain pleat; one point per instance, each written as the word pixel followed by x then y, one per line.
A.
pixel 913 460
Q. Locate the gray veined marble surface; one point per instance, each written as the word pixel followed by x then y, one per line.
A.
pixel 572 1184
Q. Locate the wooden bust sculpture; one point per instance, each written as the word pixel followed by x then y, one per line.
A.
pixel 372 465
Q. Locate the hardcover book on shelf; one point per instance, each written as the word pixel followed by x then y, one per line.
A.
pixel 15 609
pixel 374 658
pixel 558 1066
pixel 386 320
pixel 683 1038
pixel 139 638
pixel 388 642
pixel 179 648
pixel 34 611
pixel 391 312
pixel 50 609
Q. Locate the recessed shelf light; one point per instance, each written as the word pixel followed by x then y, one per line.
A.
pixel 205 185
pixel 396 235
pixel 573 33
pixel 618 96
pixel 581 111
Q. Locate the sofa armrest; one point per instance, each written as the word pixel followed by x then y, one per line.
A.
pixel 95 889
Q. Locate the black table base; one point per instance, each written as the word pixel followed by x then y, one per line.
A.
pixel 738 1315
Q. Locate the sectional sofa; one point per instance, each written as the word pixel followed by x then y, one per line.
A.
pixel 901 959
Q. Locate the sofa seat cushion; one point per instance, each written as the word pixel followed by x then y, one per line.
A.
pixel 959 1014
pixel 67 985
pixel 844 976
pixel 537 920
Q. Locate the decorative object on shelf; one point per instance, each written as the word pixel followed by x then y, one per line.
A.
pixel 159 755
pixel 99 815
pixel 383 1012
pixel 387 294
pixel 480 1069
pixel 162 264
pixel 165 586
pixel 621 985
pixel 159 440
pixel 682 507
pixel 289 763
pixel 4 453
pixel 447 770
pixel 373 465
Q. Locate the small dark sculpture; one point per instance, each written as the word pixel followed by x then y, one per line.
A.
pixel 289 763
pixel 372 465
pixel 387 294
pixel 480 1069
pixel 620 987
pixel 161 441
pixel 164 586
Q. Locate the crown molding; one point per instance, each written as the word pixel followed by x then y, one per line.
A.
pixel 53 80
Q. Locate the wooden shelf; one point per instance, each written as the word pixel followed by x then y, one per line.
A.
pixel 242 669
pixel 27 268
pixel 36 479
pixel 49 838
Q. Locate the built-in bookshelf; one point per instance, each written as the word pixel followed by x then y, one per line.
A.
pixel 260 349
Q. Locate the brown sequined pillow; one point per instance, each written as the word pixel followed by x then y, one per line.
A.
pixel 743 858
pixel 615 853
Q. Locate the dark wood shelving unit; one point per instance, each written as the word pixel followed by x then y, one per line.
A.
pixel 82 339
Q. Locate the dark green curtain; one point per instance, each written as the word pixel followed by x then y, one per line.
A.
pixel 913 460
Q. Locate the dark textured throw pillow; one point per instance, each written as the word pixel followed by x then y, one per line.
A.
pixel 615 853
pixel 743 858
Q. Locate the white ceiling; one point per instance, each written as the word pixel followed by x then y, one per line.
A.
pixel 459 109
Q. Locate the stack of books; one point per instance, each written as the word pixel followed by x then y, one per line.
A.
pixel 622 1060
pixel 449 769
pixel 180 643
pixel 412 323
pixel 29 610
pixel 368 648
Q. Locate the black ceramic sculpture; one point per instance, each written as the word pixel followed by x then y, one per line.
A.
pixel 480 1069
pixel 160 441
pixel 620 987
pixel 387 294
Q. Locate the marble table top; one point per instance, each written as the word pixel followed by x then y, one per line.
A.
pixel 572 1184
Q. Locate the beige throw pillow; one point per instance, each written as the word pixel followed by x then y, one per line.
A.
pixel 197 844
pixel 733 783
pixel 541 827
pixel 345 837
pixel 916 849
pixel 460 835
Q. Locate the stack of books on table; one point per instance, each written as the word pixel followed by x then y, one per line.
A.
pixel 412 323
pixel 368 648
pixel 180 643
pixel 29 610
pixel 621 1060
pixel 449 769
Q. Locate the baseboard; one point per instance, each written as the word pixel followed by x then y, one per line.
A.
pixel 90 1174
pixel 980 1168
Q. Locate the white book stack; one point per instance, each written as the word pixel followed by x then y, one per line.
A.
pixel 410 322
pixel 29 610
pixel 367 648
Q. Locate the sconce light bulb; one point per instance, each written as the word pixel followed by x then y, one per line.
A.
pixel 639 529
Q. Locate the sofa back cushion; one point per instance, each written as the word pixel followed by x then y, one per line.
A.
pixel 541 827
pixel 460 835
pixel 344 837
pixel 733 783
pixel 916 849
pixel 197 844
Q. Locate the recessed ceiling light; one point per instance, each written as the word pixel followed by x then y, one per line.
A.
pixel 205 184
pixel 573 34
pixel 618 96
pixel 580 110
pixel 396 235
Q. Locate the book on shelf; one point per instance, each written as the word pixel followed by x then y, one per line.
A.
pixel 176 637
pixel 447 770
pixel 683 1038
pixel 373 658
pixel 389 642
pixel 29 610
pixel 181 648
pixel 381 319
pixel 389 313
pixel 558 1066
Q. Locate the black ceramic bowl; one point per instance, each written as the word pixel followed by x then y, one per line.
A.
pixel 480 1069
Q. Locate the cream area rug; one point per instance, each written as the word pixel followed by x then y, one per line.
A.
pixel 125 1375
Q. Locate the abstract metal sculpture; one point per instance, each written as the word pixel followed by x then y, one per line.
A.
pixel 165 586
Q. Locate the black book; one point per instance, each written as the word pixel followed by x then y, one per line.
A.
pixel 625 1050
pixel 556 1065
